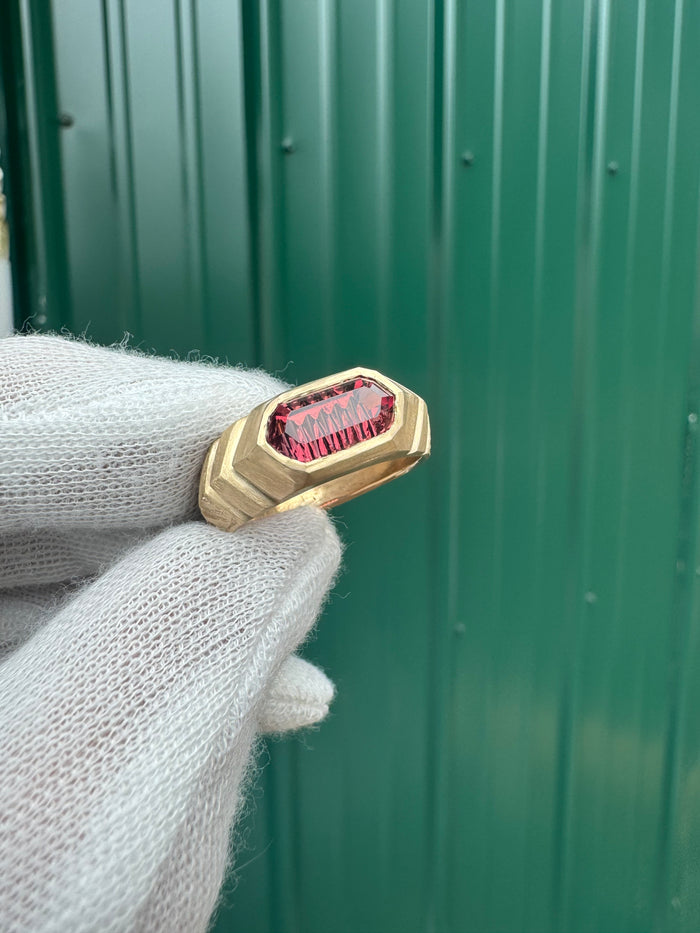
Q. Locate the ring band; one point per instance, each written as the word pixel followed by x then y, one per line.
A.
pixel 318 444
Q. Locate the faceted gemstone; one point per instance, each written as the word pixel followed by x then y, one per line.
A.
pixel 334 419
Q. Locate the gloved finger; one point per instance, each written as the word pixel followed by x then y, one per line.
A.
pixel 128 718
pixel 163 911
pixel 108 439
pixel 299 696
pixel 300 693
pixel 53 556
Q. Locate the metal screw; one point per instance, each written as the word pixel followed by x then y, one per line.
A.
pixel 65 121
pixel 613 168
pixel 468 158
pixel 288 146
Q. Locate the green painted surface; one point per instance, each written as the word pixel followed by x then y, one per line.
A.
pixel 516 741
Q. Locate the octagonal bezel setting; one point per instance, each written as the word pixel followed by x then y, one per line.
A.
pixel 245 474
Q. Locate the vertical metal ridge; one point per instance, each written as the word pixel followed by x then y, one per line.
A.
pixel 538 290
pixel 627 398
pixel 384 25
pixel 566 707
pixel 496 398
pixel 199 192
pixel 540 454
pixel 45 207
pixel 385 142
pixel 34 156
pixel 121 164
pixel 541 186
pixel 272 314
pixel 295 819
pixel 689 494
pixel 185 68
pixel 284 909
pixel 496 395
pixel 669 190
pixel 251 77
pixel 441 201
pixel 497 149
pixel 273 341
pixel 636 141
pixel 681 660
pixel 129 237
pixel 109 103
pixel 328 90
pixel 598 182
pixel 496 406
pixel 260 47
pixel 599 144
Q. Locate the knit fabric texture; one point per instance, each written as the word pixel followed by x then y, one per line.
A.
pixel 142 649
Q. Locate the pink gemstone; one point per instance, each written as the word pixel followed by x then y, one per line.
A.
pixel 334 419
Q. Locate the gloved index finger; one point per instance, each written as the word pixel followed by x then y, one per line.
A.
pixel 104 438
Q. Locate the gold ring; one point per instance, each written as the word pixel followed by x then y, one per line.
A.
pixel 318 444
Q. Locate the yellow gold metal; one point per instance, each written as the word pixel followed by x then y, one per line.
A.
pixel 244 477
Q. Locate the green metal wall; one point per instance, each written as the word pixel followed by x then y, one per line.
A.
pixel 497 203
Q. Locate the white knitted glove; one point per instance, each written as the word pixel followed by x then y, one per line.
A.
pixel 144 649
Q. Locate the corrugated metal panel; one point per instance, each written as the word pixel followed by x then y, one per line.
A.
pixel 154 173
pixel 498 205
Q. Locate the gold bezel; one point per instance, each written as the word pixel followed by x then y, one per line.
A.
pixel 245 477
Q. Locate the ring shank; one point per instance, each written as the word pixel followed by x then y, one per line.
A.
pixel 343 488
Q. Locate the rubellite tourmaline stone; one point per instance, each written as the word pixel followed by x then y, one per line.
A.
pixel 334 419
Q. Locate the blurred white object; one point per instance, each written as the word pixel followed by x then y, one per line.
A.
pixel 6 312
pixel 144 649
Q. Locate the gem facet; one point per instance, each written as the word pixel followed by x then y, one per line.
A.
pixel 322 423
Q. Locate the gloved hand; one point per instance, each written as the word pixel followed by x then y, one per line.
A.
pixel 144 649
